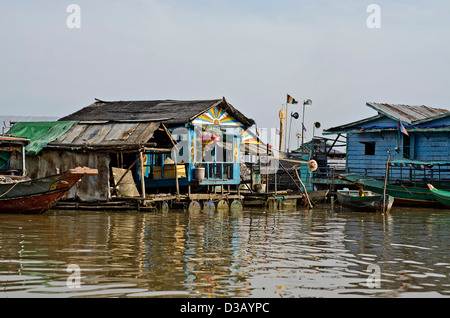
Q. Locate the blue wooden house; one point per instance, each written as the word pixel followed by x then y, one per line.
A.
pixel 417 138
pixel 206 134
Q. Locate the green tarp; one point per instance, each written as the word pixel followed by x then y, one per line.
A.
pixel 418 164
pixel 40 133
pixel 4 157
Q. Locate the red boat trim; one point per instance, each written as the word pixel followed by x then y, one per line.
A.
pixel 43 201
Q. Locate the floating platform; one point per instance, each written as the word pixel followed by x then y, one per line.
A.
pixel 198 201
pixel 160 202
pixel 283 199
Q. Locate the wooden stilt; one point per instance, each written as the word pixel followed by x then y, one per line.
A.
pixel 141 164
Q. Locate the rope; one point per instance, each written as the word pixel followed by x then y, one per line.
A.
pixel 9 189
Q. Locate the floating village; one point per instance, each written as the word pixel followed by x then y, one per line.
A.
pixel 159 155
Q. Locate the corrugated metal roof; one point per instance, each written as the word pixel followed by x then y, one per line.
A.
pixel 104 134
pixel 409 114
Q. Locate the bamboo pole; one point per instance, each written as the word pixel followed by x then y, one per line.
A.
pixel 141 164
pixel 176 171
pixel 285 170
pixel 306 192
pixel 175 150
pixel 282 116
pixel 385 181
pixel 285 125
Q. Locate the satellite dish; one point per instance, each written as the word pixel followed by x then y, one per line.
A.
pixel 307 102
pixel 295 115
pixel 317 124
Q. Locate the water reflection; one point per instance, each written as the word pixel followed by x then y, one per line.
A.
pixel 255 253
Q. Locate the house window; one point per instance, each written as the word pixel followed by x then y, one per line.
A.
pixel 369 148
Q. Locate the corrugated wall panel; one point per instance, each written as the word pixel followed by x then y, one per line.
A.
pixel 89 188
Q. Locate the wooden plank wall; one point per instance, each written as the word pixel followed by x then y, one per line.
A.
pixel 429 146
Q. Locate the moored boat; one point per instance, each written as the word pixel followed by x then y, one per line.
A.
pixel 364 201
pixel 440 195
pixel 418 195
pixel 318 196
pixel 20 194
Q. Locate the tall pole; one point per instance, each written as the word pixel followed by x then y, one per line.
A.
pixel 303 124
pixel 282 116
pixel 141 165
pixel 289 139
pixel 285 124
pixel 307 102
pixel 385 180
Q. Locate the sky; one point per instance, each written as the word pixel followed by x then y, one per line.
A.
pixel 252 52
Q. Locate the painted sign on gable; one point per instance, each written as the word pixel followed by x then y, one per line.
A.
pixel 216 116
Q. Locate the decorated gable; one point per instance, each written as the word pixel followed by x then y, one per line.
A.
pixel 217 116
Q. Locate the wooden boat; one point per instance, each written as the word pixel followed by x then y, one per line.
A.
pixel 318 196
pixel 20 194
pixel 364 201
pixel 440 195
pixel 403 194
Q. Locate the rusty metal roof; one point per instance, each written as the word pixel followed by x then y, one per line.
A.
pixel 97 135
pixel 409 114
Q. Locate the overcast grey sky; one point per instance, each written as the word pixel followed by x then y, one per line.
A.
pixel 251 52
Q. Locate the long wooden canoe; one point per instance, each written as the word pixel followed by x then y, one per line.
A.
pixel 440 195
pixel 418 195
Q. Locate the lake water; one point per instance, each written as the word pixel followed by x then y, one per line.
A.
pixel 251 253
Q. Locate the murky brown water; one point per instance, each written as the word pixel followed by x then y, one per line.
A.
pixel 253 253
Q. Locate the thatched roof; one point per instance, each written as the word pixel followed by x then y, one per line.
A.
pixel 170 112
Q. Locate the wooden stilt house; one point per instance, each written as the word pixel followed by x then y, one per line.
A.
pixel 109 146
pixel 417 138
pixel 207 135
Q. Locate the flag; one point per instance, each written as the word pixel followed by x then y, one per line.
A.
pixel 402 128
pixel 290 100
pixel 304 127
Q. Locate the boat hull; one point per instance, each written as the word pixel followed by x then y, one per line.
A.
pixel 370 202
pixel 39 195
pixel 418 195
pixel 318 195
pixel 441 196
